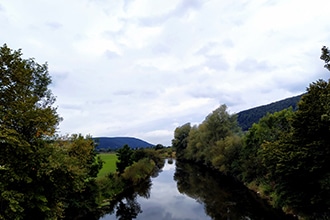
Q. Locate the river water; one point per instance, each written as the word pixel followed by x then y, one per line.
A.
pixel 188 192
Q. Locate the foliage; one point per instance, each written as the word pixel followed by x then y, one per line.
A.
pixel 270 128
pixel 215 143
pixel 285 155
pixel 124 156
pixel 145 163
pixel 180 141
pixel 155 155
pixel 42 177
pixel 222 196
pixel 248 117
pixel 310 151
pixel 289 152
pixel 79 170
pixel 108 144
pixel 326 57
pixel 27 119
pixel 138 171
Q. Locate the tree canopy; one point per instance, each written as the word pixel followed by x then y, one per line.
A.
pixel 215 142
pixel 41 176
pixel 325 55
pixel 285 155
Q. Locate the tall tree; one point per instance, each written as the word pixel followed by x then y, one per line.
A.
pixel 27 118
pixel 180 140
pixel 311 134
pixel 326 57
pixel 125 158
pixel 298 163
pixel 40 177
pixel 270 128
pixel 215 142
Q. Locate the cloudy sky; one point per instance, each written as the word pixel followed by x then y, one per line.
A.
pixel 143 67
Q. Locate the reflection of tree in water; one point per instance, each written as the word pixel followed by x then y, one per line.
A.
pixel 223 198
pixel 128 210
pixel 131 208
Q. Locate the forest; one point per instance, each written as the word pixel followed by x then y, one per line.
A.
pixel 284 156
pixel 247 118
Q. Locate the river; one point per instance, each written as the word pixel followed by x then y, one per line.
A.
pixel 182 191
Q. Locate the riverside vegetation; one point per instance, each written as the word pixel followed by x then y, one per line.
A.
pixel 285 156
pixel 44 176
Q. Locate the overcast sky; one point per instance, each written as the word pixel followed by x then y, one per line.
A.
pixel 141 68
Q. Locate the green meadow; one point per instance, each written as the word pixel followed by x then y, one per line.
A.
pixel 109 164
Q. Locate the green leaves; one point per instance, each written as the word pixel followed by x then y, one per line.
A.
pixel 326 57
pixel 215 142
pixel 180 140
pixel 41 176
pixel 124 155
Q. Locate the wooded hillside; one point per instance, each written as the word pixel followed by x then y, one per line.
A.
pixel 246 118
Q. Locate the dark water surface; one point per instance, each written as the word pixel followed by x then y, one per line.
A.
pixel 188 192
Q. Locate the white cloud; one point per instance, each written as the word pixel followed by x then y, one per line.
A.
pixel 141 68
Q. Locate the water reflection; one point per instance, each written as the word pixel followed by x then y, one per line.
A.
pixel 223 197
pixel 162 201
pixel 187 192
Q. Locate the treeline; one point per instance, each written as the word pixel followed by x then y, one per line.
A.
pixel 285 156
pixel 246 118
pixel 133 167
pixel 42 175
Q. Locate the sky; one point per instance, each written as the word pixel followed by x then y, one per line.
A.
pixel 141 68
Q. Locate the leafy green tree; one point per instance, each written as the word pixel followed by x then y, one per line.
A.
pixel 326 57
pixel 125 159
pixel 270 128
pixel 311 134
pixel 298 163
pixel 220 124
pixel 226 153
pixel 27 119
pixel 215 142
pixel 159 147
pixel 78 174
pixel 194 151
pixel 41 177
pixel 326 100
pixel 180 141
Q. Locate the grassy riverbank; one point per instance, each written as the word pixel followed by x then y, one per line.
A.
pixel 113 182
pixel 109 165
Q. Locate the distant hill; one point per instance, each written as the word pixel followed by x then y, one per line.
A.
pixel 114 143
pixel 247 117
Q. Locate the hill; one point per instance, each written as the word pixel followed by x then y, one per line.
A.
pixel 113 143
pixel 247 117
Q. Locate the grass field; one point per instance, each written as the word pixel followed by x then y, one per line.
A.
pixel 109 164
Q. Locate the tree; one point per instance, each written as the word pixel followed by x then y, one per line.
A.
pixel 215 142
pixel 41 176
pixel 125 158
pixel 326 100
pixel 27 119
pixel 311 136
pixel 221 139
pixel 270 128
pixel 76 176
pixel 326 57
pixel 180 141
pixel 220 124
pixel 298 162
